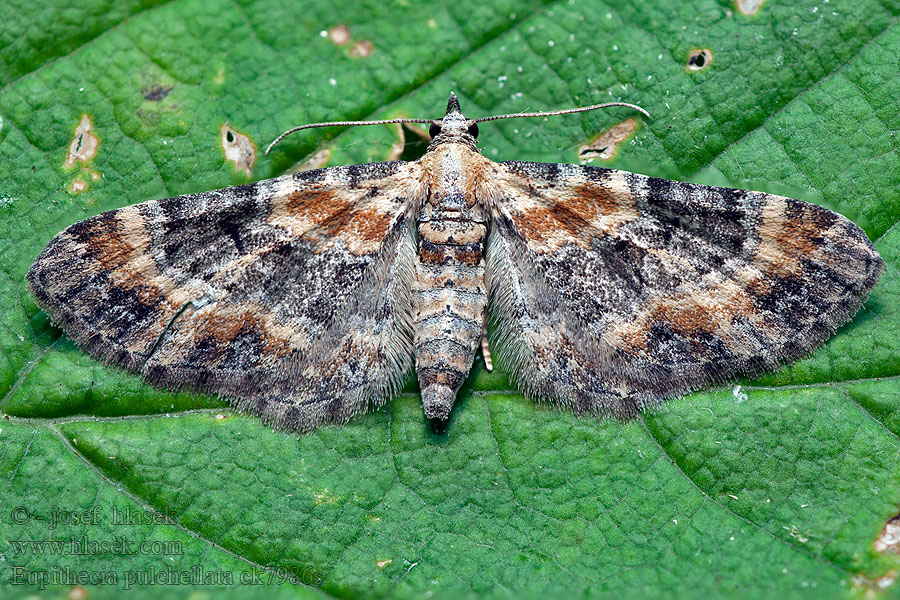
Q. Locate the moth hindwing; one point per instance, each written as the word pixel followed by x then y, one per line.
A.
pixel 306 299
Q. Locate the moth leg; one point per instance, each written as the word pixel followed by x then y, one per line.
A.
pixel 486 350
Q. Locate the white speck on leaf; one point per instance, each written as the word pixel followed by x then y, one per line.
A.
pixel 795 533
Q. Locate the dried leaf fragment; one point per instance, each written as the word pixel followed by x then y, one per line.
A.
pixel 604 147
pixel 84 143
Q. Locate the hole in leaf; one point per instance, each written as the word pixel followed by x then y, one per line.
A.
pixel 239 150
pixel 699 59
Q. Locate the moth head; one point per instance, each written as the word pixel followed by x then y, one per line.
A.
pixel 454 127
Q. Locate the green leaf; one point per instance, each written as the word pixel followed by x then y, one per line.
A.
pixel 779 487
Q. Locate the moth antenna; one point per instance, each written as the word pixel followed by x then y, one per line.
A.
pixel 346 124
pixel 568 111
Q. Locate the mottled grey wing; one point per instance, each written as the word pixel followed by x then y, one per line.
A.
pixel 610 291
pixel 289 296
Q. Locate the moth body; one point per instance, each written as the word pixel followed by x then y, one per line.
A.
pixel 449 296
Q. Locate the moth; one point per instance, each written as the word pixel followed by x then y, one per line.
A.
pixel 307 298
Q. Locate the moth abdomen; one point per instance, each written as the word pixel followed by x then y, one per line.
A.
pixel 449 302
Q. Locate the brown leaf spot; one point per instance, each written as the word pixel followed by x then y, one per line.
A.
pixel 699 59
pixel 239 150
pixel 605 145
pixel 77 186
pixel 362 49
pixel 749 7
pixel 155 93
pixel 889 539
pixel 340 35
pixel 84 144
